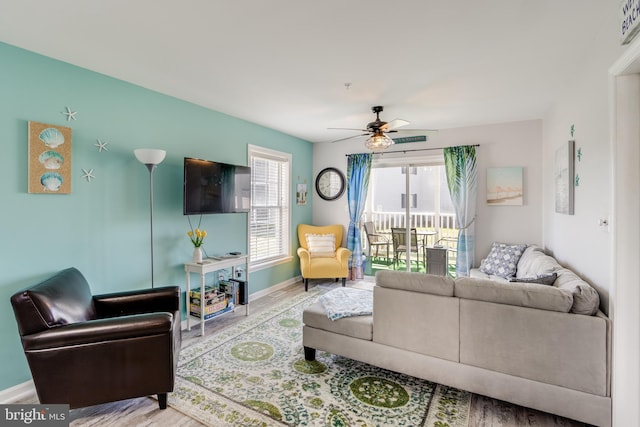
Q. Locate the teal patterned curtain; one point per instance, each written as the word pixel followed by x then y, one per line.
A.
pixel 462 179
pixel 358 171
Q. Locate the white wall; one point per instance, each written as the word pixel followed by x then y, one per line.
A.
pixel 577 241
pixel 602 113
pixel 501 145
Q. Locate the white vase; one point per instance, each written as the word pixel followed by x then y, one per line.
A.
pixel 197 254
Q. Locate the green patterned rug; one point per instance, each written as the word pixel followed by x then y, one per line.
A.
pixel 254 374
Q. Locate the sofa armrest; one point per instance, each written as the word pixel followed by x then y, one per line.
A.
pixel 416 282
pixel 343 255
pixel 304 253
pixel 165 299
pixel 100 331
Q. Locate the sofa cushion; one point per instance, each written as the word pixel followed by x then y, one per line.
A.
pixel 321 245
pixel 502 259
pixel 585 298
pixel 477 274
pixel 534 262
pixel 356 327
pixel 531 295
pixel 416 282
pixel 542 279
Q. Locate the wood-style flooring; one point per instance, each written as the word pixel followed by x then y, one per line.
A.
pixel 144 411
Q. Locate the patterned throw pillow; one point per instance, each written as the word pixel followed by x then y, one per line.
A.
pixel 543 279
pixel 321 245
pixel 502 260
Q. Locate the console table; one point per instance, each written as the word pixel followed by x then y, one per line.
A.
pixel 211 265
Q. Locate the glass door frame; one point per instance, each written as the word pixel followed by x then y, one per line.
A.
pixel 387 160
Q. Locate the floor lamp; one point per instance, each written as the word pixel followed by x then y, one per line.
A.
pixel 150 158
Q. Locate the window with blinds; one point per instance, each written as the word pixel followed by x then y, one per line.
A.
pixel 270 219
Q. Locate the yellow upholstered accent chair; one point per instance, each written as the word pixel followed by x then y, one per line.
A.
pixel 322 265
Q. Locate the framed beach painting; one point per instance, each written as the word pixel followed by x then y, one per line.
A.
pixel 564 178
pixel 504 186
pixel 49 159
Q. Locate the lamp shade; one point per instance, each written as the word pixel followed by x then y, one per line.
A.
pixel 378 141
pixel 149 156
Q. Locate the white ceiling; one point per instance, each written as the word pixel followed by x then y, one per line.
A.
pixel 284 63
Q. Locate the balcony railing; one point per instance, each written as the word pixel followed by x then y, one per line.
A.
pixel 443 224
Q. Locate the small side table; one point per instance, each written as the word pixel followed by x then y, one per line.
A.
pixel 436 261
pixel 211 265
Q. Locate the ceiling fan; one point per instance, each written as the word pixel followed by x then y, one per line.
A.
pixel 377 131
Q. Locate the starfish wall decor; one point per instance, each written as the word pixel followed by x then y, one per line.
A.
pixel 71 115
pixel 101 146
pixel 88 174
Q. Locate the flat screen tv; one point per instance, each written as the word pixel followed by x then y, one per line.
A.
pixel 215 187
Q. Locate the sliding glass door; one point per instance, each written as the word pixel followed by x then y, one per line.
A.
pixel 410 208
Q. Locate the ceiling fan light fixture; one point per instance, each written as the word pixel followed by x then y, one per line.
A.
pixel 378 141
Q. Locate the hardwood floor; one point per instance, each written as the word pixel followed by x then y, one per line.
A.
pixel 144 411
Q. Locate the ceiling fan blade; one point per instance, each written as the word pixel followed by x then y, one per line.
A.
pixel 349 137
pixel 418 131
pixel 394 124
pixel 361 130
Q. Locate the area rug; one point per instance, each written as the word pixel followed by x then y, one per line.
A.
pixel 254 374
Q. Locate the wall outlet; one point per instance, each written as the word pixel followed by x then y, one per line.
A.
pixel 220 277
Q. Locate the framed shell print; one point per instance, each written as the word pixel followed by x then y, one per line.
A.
pixel 49 159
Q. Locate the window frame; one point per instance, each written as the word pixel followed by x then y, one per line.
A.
pixel 254 151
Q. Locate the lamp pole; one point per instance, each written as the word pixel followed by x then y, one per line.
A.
pixel 150 158
pixel 151 167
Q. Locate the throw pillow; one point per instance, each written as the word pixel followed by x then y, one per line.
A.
pixel 502 260
pixel 321 245
pixel 543 279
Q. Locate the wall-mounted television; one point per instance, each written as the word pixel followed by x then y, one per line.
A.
pixel 215 187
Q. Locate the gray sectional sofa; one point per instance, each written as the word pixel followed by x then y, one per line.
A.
pixel 539 346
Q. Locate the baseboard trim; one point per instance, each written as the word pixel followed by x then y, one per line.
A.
pixel 17 392
pixel 254 296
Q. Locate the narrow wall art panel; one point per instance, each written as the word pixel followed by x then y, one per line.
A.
pixel 504 186
pixel 49 159
pixel 564 178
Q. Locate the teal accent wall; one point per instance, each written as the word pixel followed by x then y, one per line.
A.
pixel 102 227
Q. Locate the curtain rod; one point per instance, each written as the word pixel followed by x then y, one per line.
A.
pixel 408 151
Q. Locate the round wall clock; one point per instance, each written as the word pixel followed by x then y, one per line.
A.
pixel 330 183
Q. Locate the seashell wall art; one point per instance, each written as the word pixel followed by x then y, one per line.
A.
pixel 49 158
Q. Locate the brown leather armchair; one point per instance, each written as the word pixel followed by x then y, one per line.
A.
pixel 86 349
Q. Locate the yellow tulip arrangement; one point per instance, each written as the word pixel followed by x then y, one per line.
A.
pixel 197 237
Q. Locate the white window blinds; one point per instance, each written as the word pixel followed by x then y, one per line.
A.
pixel 270 221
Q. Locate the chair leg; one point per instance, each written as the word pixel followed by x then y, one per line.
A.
pixel 162 400
pixel 306 284
pixel 344 281
pixel 309 354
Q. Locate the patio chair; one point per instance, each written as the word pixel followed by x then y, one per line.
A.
pixel 398 237
pixel 375 239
